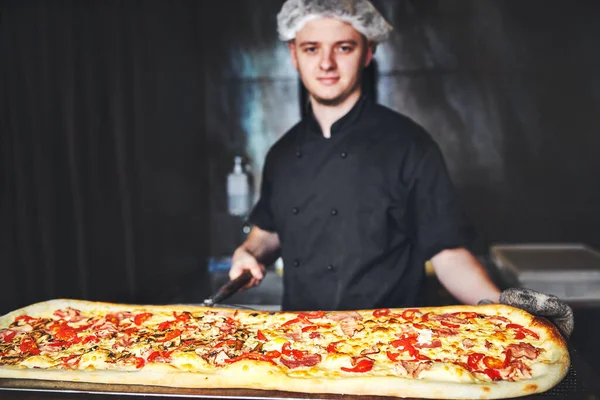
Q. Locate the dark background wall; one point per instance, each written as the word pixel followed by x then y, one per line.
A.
pixel 120 121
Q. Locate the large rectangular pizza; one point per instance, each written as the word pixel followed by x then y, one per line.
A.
pixel 490 351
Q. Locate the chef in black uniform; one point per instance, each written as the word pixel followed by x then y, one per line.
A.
pixel 355 197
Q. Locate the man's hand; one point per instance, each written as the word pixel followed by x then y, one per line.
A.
pixel 260 248
pixel 540 304
pixel 243 260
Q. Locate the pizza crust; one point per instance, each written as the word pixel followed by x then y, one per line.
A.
pixel 262 377
pixel 258 375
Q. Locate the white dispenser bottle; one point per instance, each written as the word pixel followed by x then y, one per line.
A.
pixel 238 190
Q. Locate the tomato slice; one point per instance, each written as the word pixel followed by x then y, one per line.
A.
pixel 183 317
pixel 314 335
pixel 310 328
pixel 66 334
pixel 261 336
pixel 492 362
pixel 295 321
pixel 57 326
pixel 288 351
pixel 363 365
pixel 393 356
pixel 131 331
pixel 409 314
pixel 519 335
pixel 112 319
pixel 139 361
pixel 7 336
pixel 273 354
pixel 285 348
pixel 66 360
pixel 381 312
pixel 28 345
pixel 90 339
pixel 493 374
pixel 530 332
pixel 140 318
pixel 473 360
pixel 230 342
pixel 171 335
pixel 82 328
pixel 153 356
pixel 331 348
pixel 521 331
pixel 165 325
pixel 404 342
pixel 159 356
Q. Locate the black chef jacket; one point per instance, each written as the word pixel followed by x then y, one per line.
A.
pixel 358 214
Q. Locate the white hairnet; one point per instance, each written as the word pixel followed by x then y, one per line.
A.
pixel 361 14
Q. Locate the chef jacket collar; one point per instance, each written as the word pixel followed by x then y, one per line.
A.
pixel 338 126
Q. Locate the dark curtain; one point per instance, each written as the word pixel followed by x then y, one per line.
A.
pixel 104 183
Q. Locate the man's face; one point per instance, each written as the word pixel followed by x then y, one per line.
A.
pixel 330 55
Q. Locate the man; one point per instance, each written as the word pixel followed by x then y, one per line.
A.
pixel 355 197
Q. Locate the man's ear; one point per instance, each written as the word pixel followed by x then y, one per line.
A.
pixel 292 47
pixel 369 54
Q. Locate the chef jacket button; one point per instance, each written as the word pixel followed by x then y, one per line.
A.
pixel 343 154
pixel 296 263
pixel 330 267
pixel 298 154
pixel 334 211
pixel 295 210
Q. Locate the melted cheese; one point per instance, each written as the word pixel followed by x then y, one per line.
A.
pixel 372 338
pixel 94 360
pixel 189 361
pixel 39 362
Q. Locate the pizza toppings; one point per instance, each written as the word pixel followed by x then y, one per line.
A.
pixel 350 326
pixel 69 314
pixel 360 365
pixel 340 316
pixel 524 350
pixel 261 336
pixel 521 332
pixel 29 346
pixel 382 312
pixel 307 360
pixel 405 342
pixel 140 318
pixel 159 356
pixel 7 335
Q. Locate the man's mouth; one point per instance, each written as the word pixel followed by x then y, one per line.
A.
pixel 329 80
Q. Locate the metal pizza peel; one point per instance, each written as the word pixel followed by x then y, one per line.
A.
pixel 228 289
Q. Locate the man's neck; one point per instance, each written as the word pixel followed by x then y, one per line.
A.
pixel 327 115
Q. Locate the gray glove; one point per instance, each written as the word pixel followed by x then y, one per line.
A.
pixel 540 304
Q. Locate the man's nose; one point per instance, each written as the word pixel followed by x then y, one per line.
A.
pixel 327 60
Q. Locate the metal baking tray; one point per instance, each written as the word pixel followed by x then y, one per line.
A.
pixel 570 271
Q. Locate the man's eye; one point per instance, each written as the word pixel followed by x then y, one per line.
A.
pixel 310 50
pixel 345 49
